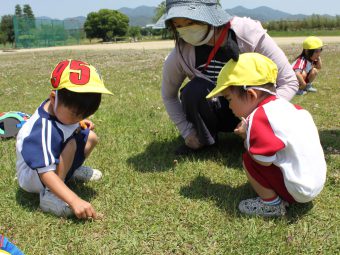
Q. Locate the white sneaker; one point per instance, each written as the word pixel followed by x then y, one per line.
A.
pixel 255 206
pixel 52 204
pixel 310 88
pixel 85 174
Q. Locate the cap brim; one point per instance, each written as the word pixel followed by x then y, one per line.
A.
pixel 90 89
pixel 216 92
pixel 212 15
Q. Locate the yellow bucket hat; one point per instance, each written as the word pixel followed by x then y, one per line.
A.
pixel 251 69
pixel 77 76
pixel 312 43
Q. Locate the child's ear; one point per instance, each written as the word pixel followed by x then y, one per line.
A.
pixel 252 94
pixel 52 97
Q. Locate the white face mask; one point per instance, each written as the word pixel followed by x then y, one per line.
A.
pixel 194 34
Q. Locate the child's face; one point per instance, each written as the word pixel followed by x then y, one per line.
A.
pixel 66 115
pixel 240 106
pixel 316 54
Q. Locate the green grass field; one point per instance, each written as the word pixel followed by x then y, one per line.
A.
pixel 154 202
pixel 305 32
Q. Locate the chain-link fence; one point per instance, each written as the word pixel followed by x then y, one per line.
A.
pixel 33 33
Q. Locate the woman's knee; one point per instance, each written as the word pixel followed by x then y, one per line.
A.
pixel 196 90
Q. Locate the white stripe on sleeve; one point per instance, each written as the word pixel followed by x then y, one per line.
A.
pixel 49 134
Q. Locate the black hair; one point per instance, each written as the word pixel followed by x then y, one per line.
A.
pixel 242 93
pixel 83 104
pixel 307 54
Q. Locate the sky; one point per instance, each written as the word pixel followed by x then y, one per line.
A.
pixel 60 9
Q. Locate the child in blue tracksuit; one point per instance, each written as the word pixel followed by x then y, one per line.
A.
pixel 52 145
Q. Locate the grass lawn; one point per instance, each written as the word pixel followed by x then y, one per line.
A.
pixel 154 202
pixel 305 32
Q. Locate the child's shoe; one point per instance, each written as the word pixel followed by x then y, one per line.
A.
pixel 255 206
pixel 85 174
pixel 301 92
pixel 310 88
pixel 52 204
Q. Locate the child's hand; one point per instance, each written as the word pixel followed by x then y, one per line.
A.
pixel 86 123
pixel 83 209
pixel 241 128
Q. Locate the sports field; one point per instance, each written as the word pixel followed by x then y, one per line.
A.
pixel 154 202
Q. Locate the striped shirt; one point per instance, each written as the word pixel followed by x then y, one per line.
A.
pixel 216 64
pixel 302 64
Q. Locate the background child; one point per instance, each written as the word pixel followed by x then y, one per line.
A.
pixel 308 64
pixel 284 158
pixel 52 146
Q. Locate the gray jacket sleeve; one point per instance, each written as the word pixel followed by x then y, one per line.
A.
pixel 251 37
pixel 173 77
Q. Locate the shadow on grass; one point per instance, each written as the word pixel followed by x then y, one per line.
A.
pixel 159 156
pixel 297 211
pixel 227 198
pixel 30 201
pixel 330 140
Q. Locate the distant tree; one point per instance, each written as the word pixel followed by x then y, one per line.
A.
pixel 7 29
pixel 18 10
pixel 3 38
pixel 27 12
pixel 159 11
pixel 135 32
pixel 28 16
pixel 24 23
pixel 106 24
pixel 312 22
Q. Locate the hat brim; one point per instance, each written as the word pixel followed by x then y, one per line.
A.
pixel 90 89
pixel 216 92
pixel 213 15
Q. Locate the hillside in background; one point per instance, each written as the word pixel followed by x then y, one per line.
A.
pixel 143 15
pixel 139 16
pixel 264 14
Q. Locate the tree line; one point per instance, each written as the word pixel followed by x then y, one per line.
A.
pixel 313 22
pixel 7 25
pixel 109 25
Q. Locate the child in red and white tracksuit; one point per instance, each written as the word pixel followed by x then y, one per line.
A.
pixel 307 65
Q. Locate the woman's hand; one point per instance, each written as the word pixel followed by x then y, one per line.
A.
pixel 192 141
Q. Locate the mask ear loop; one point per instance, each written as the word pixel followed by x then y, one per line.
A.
pixel 55 101
pixel 262 89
